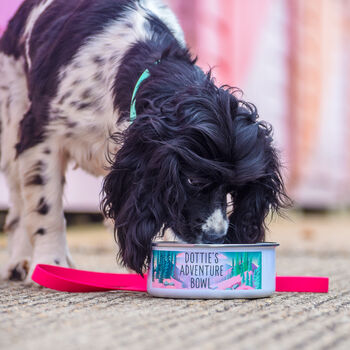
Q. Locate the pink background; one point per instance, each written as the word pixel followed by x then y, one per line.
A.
pixel 292 60
pixel 7 9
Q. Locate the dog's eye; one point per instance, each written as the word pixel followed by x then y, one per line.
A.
pixel 194 182
pixel 190 181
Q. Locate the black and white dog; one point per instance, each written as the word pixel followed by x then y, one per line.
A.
pixel 68 70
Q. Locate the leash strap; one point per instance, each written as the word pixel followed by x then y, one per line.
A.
pixel 302 284
pixel 72 280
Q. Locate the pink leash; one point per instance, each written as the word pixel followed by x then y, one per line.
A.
pixel 72 280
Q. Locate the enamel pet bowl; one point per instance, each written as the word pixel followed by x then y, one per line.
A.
pixel 224 271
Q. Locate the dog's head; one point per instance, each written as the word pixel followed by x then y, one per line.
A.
pixel 179 162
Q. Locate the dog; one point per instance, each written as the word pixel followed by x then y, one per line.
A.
pixel 70 76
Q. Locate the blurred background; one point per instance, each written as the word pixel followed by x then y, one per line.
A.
pixel 291 59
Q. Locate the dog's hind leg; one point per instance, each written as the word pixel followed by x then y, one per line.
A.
pixel 42 170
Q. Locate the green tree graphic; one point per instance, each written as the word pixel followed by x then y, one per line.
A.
pixel 165 264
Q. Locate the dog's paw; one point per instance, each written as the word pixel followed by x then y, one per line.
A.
pixel 64 261
pixel 16 269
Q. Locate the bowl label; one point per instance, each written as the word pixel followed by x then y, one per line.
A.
pixel 206 270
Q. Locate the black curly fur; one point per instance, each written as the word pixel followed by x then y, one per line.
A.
pixel 187 127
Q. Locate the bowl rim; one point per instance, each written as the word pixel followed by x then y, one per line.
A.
pixel 205 245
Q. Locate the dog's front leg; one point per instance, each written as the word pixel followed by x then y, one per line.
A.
pixel 19 246
pixel 42 179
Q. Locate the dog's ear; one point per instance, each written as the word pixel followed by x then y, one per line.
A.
pixel 143 193
pixel 253 200
pixel 252 203
pixel 129 202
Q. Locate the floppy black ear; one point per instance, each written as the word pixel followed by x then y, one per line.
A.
pixel 253 201
pixel 143 193
pixel 128 200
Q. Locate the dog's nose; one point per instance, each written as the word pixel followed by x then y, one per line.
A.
pixel 215 228
pixel 213 238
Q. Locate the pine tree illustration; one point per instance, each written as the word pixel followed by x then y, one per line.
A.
pixel 245 261
pixel 257 278
pixel 168 266
pixel 157 268
pixel 161 266
pixel 173 260
pixel 154 259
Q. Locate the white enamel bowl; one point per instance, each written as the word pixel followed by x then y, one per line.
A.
pixel 208 271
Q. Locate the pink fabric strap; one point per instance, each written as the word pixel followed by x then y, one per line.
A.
pixel 301 284
pixel 72 280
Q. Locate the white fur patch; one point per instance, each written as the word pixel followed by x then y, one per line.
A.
pixel 31 20
pixel 216 222
pixel 14 103
pixel 167 16
pixel 95 124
